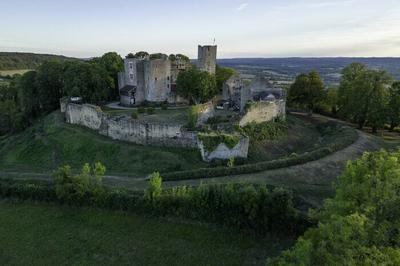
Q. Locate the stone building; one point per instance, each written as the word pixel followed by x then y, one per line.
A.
pixel 207 58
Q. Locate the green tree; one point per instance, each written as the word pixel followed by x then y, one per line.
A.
pixel 28 95
pixel 360 225
pixel 49 83
pixel 90 81
pixel 197 86
pixel 307 90
pixel 362 95
pixel 394 105
pixel 113 64
pixel 223 74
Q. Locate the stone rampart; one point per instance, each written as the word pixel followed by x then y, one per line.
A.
pixel 223 152
pixel 128 129
pixel 263 111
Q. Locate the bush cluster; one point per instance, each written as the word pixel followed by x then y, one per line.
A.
pixel 265 131
pixel 336 137
pixel 255 207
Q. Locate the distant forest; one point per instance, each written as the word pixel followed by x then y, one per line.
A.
pixel 13 61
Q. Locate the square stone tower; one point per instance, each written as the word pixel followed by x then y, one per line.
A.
pixel 207 58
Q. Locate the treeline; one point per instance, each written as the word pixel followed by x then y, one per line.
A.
pixel 12 61
pixel 36 93
pixel 360 225
pixel 366 97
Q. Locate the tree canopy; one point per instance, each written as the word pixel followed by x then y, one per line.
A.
pixel 307 90
pixel 222 74
pixel 197 86
pixel 362 95
pixel 360 225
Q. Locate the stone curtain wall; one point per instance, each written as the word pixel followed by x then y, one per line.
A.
pixel 264 111
pixel 128 129
pixel 223 152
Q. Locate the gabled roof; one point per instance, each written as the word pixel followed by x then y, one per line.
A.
pixel 127 90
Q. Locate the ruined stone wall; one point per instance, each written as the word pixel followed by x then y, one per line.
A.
pixel 128 129
pixel 223 152
pixel 264 111
pixel 206 111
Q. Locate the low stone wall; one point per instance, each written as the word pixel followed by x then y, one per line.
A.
pixel 264 111
pixel 223 152
pixel 128 129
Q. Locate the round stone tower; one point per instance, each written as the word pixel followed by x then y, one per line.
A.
pixel 207 58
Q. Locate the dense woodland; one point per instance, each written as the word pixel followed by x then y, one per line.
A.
pixel 12 61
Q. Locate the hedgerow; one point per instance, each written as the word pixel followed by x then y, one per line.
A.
pixel 255 207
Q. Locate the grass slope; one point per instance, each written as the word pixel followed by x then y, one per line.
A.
pixel 51 143
pixel 39 234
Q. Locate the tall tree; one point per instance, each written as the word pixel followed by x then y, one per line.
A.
pixel 49 82
pixel 394 105
pixel 307 90
pixel 197 86
pixel 362 95
pixel 222 74
pixel 113 63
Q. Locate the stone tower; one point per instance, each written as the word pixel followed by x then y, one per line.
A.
pixel 207 58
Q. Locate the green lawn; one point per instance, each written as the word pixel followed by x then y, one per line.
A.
pixel 172 115
pixel 40 234
pixel 51 143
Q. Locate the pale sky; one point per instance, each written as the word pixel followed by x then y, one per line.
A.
pixel 241 28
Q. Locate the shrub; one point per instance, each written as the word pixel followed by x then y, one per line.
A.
pixel 134 115
pixel 150 110
pixel 193 116
pixel 77 188
pixel 164 106
pixel 154 189
pixel 266 130
pixel 141 110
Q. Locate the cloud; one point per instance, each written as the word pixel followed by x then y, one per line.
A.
pixel 242 6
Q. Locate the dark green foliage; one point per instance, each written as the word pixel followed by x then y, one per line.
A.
pixel 89 81
pixel 213 139
pixel 266 130
pixel 158 56
pixel 306 91
pixel 197 86
pixel 10 61
pixel 336 138
pixel 134 115
pixel 141 110
pixel 150 110
pixel 363 96
pixel 75 189
pixel 394 105
pixel 222 74
pixel 360 225
pixel 113 64
pixel 236 205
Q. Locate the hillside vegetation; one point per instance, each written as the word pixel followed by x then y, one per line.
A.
pixel 51 142
pixel 12 61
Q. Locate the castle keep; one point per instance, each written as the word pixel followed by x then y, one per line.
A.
pixel 153 79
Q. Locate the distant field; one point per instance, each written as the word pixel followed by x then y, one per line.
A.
pixel 40 234
pixel 13 72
